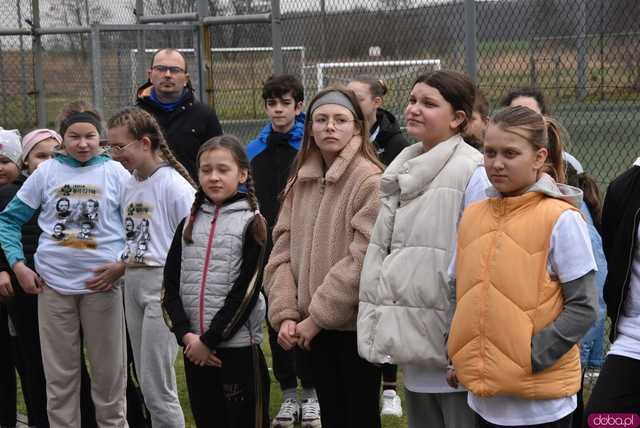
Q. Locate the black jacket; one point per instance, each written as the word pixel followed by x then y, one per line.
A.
pixel 271 156
pixel 186 128
pixel 620 218
pixel 389 141
pixel 30 232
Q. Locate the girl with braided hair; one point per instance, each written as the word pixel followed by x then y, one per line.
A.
pixel 212 292
pixel 154 200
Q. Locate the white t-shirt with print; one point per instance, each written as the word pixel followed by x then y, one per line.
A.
pixel 570 258
pixel 151 212
pixel 423 379
pixel 80 220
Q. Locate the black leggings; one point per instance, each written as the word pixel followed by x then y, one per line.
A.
pixel 23 309
pixel 348 387
pixel 8 359
pixel 389 376
pixel 617 389
pixel 235 395
pixel 289 366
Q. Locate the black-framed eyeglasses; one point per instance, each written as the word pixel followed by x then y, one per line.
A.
pixel 170 69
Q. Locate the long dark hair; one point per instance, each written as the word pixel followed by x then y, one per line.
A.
pixel 534 93
pixel 592 196
pixel 233 145
pixel 456 88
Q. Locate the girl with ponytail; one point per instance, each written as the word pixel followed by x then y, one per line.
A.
pixel 212 294
pixel 157 196
pixel 384 128
pixel 525 281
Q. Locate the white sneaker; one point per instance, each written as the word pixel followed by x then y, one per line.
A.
pixel 391 405
pixel 311 413
pixel 288 415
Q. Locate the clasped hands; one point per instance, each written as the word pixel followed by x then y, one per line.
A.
pixel 198 353
pixel 300 334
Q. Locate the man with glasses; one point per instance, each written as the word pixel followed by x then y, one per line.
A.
pixel 168 96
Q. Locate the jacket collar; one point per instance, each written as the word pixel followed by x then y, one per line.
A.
pixel 237 202
pixel 68 160
pixel 294 133
pixel 144 96
pixel 545 186
pixel 312 169
pixel 413 169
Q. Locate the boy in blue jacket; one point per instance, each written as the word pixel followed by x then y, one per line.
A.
pixel 271 156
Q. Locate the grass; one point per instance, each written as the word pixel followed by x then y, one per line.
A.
pixel 274 402
pixel 276 396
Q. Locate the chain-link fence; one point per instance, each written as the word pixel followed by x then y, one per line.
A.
pixel 583 54
pixel 16 69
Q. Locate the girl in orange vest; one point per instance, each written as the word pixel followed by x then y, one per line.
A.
pixel 525 281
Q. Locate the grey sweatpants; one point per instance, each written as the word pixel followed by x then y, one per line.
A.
pixel 154 346
pixel 443 410
pixel 100 316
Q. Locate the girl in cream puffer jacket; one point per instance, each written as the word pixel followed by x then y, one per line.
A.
pixel 404 289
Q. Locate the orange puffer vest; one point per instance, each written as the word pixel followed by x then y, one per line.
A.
pixel 504 296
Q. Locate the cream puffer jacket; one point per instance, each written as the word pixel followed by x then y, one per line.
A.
pixel 404 287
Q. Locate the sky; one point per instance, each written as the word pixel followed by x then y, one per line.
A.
pixel 122 10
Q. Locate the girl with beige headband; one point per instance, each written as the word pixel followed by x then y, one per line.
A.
pixel 312 278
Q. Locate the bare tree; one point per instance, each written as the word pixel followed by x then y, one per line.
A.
pixel 395 4
pixel 163 7
pixel 70 13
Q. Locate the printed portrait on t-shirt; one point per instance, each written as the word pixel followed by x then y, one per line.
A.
pixel 63 208
pixel 142 248
pixel 137 229
pixel 90 211
pixel 85 231
pixel 58 232
pixel 143 230
pixel 130 229
pixel 77 215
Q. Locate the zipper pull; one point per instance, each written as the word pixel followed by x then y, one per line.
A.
pixel 215 215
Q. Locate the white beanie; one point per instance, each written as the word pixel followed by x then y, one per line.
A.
pixel 10 145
